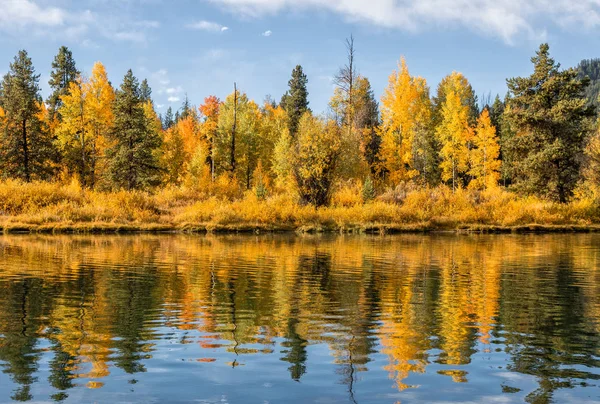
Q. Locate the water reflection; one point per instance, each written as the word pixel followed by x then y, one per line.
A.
pixel 300 318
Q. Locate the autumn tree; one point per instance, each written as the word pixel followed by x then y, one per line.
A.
pixel 459 83
pixel 238 137
pixel 209 114
pixel 27 151
pixel 405 129
pixel 100 97
pixel 454 133
pixel 295 100
pixel 64 72
pixel 485 163
pixel 549 115
pixel 174 157
pixel 283 152
pixel 314 160
pixel 73 132
pixel 273 122
pixel 133 161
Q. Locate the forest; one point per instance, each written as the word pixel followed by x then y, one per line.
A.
pixel 93 156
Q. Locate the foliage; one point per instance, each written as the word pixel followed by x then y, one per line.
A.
pixel 132 156
pixel 64 72
pixel 368 190
pixel 485 165
pixel 315 158
pixel 405 131
pixel 295 100
pixel 590 68
pixel 26 148
pixel 549 116
pixel 454 131
pixel 532 141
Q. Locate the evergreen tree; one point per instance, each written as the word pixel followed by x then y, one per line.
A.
pixel 367 121
pixel 133 162
pixel 145 91
pixel 26 148
pixel 186 109
pixel 295 100
pixel 496 112
pixel 547 112
pixel 591 69
pixel 64 72
pixel 168 119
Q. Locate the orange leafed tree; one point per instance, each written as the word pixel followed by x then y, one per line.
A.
pixel 485 165
pixel 405 110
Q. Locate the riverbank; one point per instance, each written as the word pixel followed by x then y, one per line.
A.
pixel 55 208
pixel 249 228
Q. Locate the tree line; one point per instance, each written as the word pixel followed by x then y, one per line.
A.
pixel 540 139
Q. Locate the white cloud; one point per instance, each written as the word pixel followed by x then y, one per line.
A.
pixel 208 26
pixel 173 99
pixel 174 90
pixel 267 33
pixel 506 19
pixel 161 76
pixel 38 18
pixel 26 12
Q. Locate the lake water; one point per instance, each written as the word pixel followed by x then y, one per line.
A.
pixel 290 319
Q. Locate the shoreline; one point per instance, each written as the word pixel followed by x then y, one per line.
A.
pixel 250 228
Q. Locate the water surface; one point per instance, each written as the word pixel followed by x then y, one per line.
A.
pixel 315 319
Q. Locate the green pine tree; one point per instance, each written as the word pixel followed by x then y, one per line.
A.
pixel 186 108
pixel 295 100
pixel 168 121
pixel 133 158
pixel 145 91
pixel 26 148
pixel 366 120
pixel 64 72
pixel 549 119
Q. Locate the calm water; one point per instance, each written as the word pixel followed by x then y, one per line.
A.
pixel 274 319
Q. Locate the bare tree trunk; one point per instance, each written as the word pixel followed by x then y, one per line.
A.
pixel 233 129
pixel 26 152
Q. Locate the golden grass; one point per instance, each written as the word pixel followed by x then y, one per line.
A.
pixel 62 208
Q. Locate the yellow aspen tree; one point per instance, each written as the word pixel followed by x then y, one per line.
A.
pixel 282 162
pixel 73 132
pixel 485 165
pixel 273 123
pixel 209 115
pixel 454 133
pixel 315 157
pixel 100 97
pixel 173 156
pixel 404 108
pixel 353 116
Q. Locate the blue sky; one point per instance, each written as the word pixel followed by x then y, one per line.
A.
pixel 200 47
